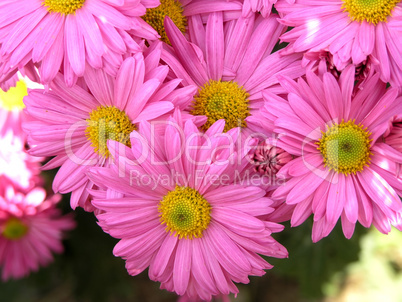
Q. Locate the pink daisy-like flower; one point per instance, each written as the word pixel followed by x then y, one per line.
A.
pixel 31 229
pixel 349 29
pixel 342 169
pixel 69 34
pixel 231 63
pixel 73 124
pixel 181 212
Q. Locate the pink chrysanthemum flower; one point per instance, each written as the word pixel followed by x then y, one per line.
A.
pixel 349 29
pixel 231 64
pixel 69 34
pixel 342 169
pixel 31 229
pixel 181 212
pixel 73 124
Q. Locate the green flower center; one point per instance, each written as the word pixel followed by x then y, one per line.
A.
pixel 172 9
pixel 345 147
pixel 372 11
pixel 108 123
pixel 222 100
pixel 185 212
pixel 64 7
pixel 14 229
pixel 13 98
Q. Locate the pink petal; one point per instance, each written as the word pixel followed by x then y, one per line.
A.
pixel 215 46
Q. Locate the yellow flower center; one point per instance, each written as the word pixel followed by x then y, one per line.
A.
pixel 108 123
pixel 64 7
pixel 14 229
pixel 222 100
pixel 345 147
pixel 170 8
pixel 185 212
pixel 12 99
pixel 372 11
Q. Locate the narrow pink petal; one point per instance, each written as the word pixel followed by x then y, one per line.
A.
pixel 384 109
pixel 215 46
pixel 186 53
pixel 74 42
pixel 348 227
pixel 165 252
pixel 229 255
pixel 301 212
pixel 177 68
pixel 101 85
pixel 351 209
pixel 51 29
pixel 108 14
pixel 367 37
pixel 379 190
pixel 333 97
pixel 325 32
pixel 74 95
pixel 357 53
pixel 90 30
pixel 215 268
pixel 262 40
pixel 346 84
pixel 11 13
pixel 22 29
pixel 196 31
pixel 305 111
pixel 71 174
pixel 209 6
pixel 335 200
pixel 306 186
pixel 237 221
pixel 381 52
pixel 393 46
pixel 381 221
pixel 200 268
pixel 182 266
pixel 111 36
pixel 236 47
pixel 140 99
pixel 365 207
pixel 348 34
pixel 233 194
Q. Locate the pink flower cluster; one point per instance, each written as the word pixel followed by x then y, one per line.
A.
pixel 188 133
pixel 31 227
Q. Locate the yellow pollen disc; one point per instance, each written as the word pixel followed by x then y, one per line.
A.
pixel 12 99
pixel 372 11
pixel 14 229
pixel 222 100
pixel 64 7
pixel 345 147
pixel 170 8
pixel 106 123
pixel 185 212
